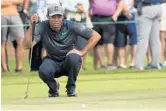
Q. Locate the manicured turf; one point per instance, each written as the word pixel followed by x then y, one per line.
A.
pixel 121 89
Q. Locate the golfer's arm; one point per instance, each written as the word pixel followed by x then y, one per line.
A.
pixel 91 42
pixel 28 39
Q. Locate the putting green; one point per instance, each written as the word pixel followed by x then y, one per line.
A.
pixel 104 90
pixel 101 90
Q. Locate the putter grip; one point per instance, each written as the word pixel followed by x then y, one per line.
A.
pixel 33 30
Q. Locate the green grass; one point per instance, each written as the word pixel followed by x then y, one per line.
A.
pixel 121 89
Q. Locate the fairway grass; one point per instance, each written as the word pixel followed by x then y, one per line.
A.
pixel 96 90
pixel 111 101
pixel 101 90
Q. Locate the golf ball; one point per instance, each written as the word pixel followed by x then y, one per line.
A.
pixel 83 105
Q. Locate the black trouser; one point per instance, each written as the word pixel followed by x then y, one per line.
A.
pixel 51 69
pixel 36 58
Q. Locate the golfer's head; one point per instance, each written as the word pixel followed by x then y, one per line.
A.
pixel 55 15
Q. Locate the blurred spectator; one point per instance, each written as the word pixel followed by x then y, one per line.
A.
pixel 163 31
pixel 105 11
pixel 78 10
pixel 29 7
pixel 148 55
pixel 148 28
pixel 125 30
pixel 42 6
pixel 10 16
pixel 23 11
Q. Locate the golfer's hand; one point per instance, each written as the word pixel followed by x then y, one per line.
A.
pixel 75 51
pixel 34 19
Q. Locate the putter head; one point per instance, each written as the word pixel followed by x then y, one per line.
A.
pixel 26 97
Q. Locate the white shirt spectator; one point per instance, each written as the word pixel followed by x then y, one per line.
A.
pixel 70 5
pixel 42 6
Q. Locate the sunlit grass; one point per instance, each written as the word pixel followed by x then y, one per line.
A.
pixel 97 89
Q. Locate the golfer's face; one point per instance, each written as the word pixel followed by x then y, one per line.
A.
pixel 56 21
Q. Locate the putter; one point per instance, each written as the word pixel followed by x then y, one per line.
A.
pixel 30 61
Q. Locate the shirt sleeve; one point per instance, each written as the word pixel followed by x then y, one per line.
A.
pixel 37 33
pixel 81 30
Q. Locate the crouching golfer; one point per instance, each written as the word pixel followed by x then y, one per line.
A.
pixel 58 37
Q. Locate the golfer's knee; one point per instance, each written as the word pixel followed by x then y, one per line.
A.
pixel 74 59
pixel 43 73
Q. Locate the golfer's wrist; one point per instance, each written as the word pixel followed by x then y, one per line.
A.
pixel 83 52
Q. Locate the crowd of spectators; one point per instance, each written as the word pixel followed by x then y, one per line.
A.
pixel 125 27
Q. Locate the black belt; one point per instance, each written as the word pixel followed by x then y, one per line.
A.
pixel 150 4
pixel 101 16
